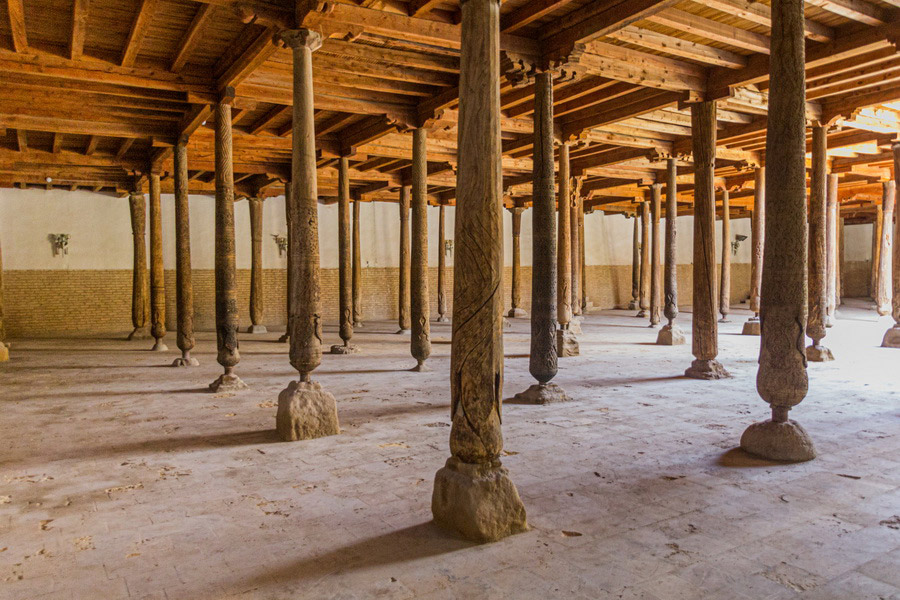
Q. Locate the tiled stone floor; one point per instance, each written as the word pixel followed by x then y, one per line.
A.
pixel 121 478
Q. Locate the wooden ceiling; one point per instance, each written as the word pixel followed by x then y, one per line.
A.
pixel 95 92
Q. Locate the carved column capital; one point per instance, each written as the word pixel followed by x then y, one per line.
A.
pixel 299 38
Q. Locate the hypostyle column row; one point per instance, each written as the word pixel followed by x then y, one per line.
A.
pixel 892 335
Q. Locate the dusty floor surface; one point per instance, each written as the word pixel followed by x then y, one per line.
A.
pixel 123 478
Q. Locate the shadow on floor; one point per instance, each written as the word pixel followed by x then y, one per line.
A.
pixel 737 458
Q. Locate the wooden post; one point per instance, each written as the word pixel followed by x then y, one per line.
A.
pixel 286 337
pixel 4 349
pixel 420 342
pixel 892 336
pixel 782 379
pixel 473 494
pixel 305 409
pixel 655 292
pixel 345 288
pixel 840 258
pixel 757 241
pixel 725 277
pixel 226 288
pixel 635 264
pixel 442 268
pixel 577 209
pixel 818 258
pixel 256 271
pixel 184 288
pixel 644 305
pixel 885 250
pixel 671 334
pixel 404 292
pixel 139 282
pixel 581 251
pixel 877 234
pixel 516 310
pixel 357 267
pixel 705 344
pixel 157 272
pixel 543 358
pixel 566 342
pixel 831 266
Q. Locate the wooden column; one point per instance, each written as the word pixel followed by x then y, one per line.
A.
pixel 840 258
pixel 877 234
pixel 420 342
pixel 831 266
pixel 644 305
pixel 566 343
pixel 305 409
pixel 256 284
pixel 543 358
pixel 885 249
pixel 473 494
pixel 516 310
pixel 581 251
pixel 357 267
pixel 757 242
pixel 289 278
pixel 184 288
pixel 157 272
pixel 655 242
pixel 345 262
pixel 705 343
pixel 818 258
pixel 442 268
pixel 403 295
pixel 725 277
pixel 140 280
pixel 577 213
pixel 635 264
pixel 671 334
pixel 782 379
pixel 4 349
pixel 892 336
pixel 226 287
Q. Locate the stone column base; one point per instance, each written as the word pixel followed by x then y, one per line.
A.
pixel 818 353
pixel 892 338
pixel 786 441
pixel 160 346
pixel 724 319
pixel 752 327
pixel 257 329
pixel 4 352
pixel 186 361
pixel 829 320
pixel 506 323
pixel 306 411
pixel 344 349
pixel 139 333
pixel 575 325
pixel 642 314
pixel 542 393
pixel 479 502
pixel 286 337
pixel 227 383
pixel 403 332
pixel 517 313
pixel 706 369
pixel 421 367
pixel 442 319
pixel 566 343
pixel 632 305
pixel 670 336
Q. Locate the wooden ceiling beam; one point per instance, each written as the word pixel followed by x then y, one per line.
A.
pixel 528 13
pixel 660 42
pixel 21 140
pixel 15 10
pixel 191 37
pixel 79 28
pixel 855 10
pixel 264 122
pixel 259 52
pixel 72 126
pixel 761 14
pixel 124 147
pixel 91 145
pixel 57 142
pixel 636 104
pixel 712 30
pixel 417 8
pixel 138 30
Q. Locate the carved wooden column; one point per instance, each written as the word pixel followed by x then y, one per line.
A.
pixel 757 241
pixel 644 305
pixel 403 295
pixel 671 334
pixel 256 271
pixel 286 337
pixel 140 280
pixel 357 267
pixel 635 264
pixel 581 251
pixel 226 287
pixel 566 342
pixel 543 358
pixel 705 343
pixel 840 258
pixel 473 494
pixel 885 247
pixel 516 311
pixel 577 213
pixel 831 266
pixel 877 234
pixel 655 292
pixel 157 271
pixel 420 342
pixel 892 336
pixel 305 409
pixel 442 269
pixel 817 287
pixel 725 276
pixel 184 288
pixel 4 349
pixel 345 288
pixel 782 379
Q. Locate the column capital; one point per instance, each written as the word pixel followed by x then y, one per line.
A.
pixel 298 38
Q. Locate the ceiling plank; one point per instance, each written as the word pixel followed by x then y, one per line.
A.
pixel 79 28
pixel 16 11
pixel 57 143
pixel 138 30
pixel 91 145
pixel 258 53
pixel 528 13
pixel 761 14
pixel 713 30
pixel 855 10
pixel 417 8
pixel 653 40
pixel 191 37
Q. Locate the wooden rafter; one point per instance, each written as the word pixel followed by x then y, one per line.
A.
pixel 16 11
pixel 191 37
pixel 79 28
pixel 138 31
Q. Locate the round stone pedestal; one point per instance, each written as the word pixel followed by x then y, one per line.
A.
pixel 818 353
pixel 257 329
pixel 286 337
pixel 140 333
pixel 786 441
pixel 442 320
pixel 751 327
pixel 542 393
pixel 403 332
pixel 566 343
pixel 227 382
pixel 517 313
pixel 670 336
pixel 186 361
pixel 160 346
pixel 706 369
pixel 306 411
pixel 344 349
pixel 421 368
pixel 891 338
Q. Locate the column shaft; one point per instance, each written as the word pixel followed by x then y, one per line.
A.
pixel 635 263
pixel 817 290
pixel 563 241
pixel 757 237
pixel 671 274
pixel 289 277
pixel 645 259
pixel 404 292
pixel 139 282
pixel 725 278
pixel 885 252
pixel 420 342
pixel 256 272
pixel 516 309
pixel 345 261
pixel 157 273
pixel 576 209
pixel 655 242
pixel 831 266
pixel 4 351
pixel 442 267
pixel 184 288
pixel 877 234
pixel 357 267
